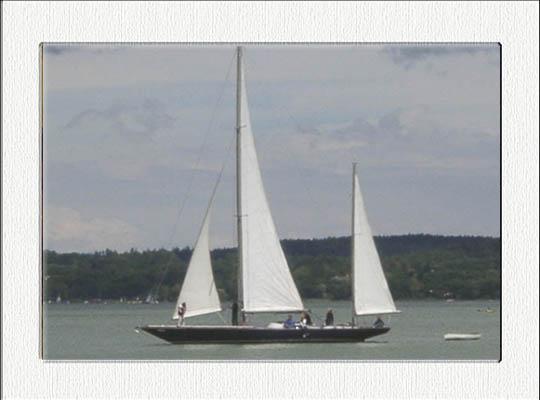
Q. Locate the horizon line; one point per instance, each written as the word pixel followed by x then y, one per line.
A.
pixel 281 240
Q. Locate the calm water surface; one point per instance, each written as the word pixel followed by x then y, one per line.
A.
pixel 106 332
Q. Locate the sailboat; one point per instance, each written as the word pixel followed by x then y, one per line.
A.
pixel 265 283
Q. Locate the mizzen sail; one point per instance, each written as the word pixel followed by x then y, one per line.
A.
pixel 370 289
pixel 266 281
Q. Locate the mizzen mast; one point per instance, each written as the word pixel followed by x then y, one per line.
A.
pixel 353 233
pixel 239 75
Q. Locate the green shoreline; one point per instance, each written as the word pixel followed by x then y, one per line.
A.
pixel 416 266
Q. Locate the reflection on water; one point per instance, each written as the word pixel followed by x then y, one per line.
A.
pixel 106 332
pixel 270 346
pixel 372 342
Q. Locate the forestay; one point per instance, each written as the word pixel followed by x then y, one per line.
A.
pixel 199 289
pixel 266 279
pixel 371 293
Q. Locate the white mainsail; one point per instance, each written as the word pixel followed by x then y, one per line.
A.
pixel 199 289
pixel 267 284
pixel 370 290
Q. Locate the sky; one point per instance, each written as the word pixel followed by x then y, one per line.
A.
pixel 135 137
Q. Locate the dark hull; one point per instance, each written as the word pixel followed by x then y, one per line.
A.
pixel 249 334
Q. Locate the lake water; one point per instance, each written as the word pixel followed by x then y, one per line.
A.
pixel 106 332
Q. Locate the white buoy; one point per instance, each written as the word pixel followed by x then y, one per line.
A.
pixel 462 336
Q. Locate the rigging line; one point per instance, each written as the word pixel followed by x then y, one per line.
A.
pixel 221 317
pixel 298 127
pixel 188 192
pixel 224 164
pixel 316 315
pixel 225 161
pixel 260 141
pixel 266 139
pixel 303 177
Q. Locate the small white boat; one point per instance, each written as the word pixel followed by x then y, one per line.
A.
pixel 462 336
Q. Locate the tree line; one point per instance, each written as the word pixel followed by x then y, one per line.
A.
pixel 416 267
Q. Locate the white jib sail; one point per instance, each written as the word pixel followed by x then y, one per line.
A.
pixel 199 289
pixel 266 279
pixel 371 293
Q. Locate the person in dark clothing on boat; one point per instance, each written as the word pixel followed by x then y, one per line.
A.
pixel 289 323
pixel 306 319
pixel 235 313
pixel 181 311
pixel 329 318
pixel 379 323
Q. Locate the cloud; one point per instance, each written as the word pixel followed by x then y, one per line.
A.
pixel 68 230
pixel 413 138
pixel 126 120
pixel 120 140
pixel 124 136
pixel 62 49
pixel 407 55
pixel 56 50
pixel 132 65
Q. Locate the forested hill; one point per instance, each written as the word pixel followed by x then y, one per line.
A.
pixel 416 266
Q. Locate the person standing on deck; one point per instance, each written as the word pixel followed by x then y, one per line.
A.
pixel 235 314
pixel 329 318
pixel 306 319
pixel 181 311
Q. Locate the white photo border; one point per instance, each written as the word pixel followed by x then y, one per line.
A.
pixel 27 24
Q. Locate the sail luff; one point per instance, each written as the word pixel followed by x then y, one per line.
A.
pixel 267 284
pixel 199 288
pixel 371 292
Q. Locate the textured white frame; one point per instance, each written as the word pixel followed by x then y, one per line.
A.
pixel 25 25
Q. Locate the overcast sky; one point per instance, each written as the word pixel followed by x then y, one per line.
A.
pixel 135 137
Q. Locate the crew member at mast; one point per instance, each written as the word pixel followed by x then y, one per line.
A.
pixel 181 311
pixel 329 318
pixel 235 313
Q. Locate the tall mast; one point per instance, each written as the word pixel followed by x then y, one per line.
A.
pixel 239 295
pixel 353 240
